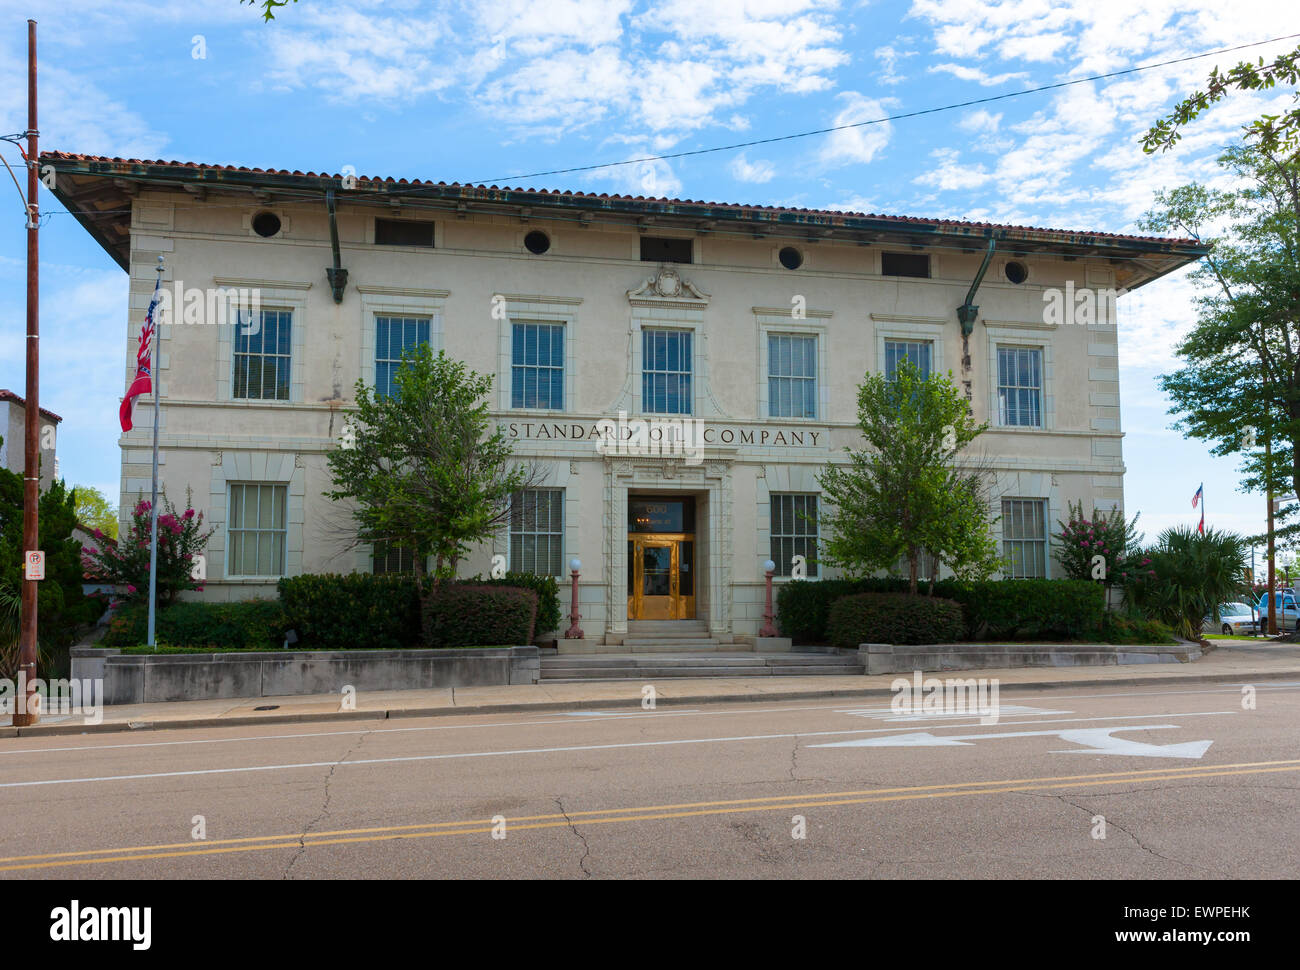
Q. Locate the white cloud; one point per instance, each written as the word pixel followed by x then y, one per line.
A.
pixel 857 145
pixel 744 170
pixel 950 176
pixel 889 57
pixel 980 120
pixel 964 73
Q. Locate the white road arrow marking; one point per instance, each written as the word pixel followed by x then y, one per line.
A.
pixel 1095 740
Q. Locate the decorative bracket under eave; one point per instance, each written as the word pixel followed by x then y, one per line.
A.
pixel 336 274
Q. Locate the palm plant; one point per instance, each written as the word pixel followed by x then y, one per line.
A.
pixel 1194 573
pixel 9 606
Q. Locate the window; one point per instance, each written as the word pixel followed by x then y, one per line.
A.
pixel 666 371
pixel 256 529
pixel 927 566
pixel 1016 272
pixel 919 352
pixel 393 337
pixel 266 224
pixel 905 264
pixel 658 249
pixel 403 232
pixel 537 242
pixel 537 531
pixel 790 257
pixel 1020 386
pixel 393 559
pixel 794 531
pixel 791 376
pixel 537 366
pixel 1024 537
pixel 262 356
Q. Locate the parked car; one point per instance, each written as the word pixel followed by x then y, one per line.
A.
pixel 1288 611
pixel 1234 618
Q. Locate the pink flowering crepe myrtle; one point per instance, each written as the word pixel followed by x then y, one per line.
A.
pixel 125 564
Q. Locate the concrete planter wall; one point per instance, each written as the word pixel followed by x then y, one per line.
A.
pixel 889 658
pixel 151 678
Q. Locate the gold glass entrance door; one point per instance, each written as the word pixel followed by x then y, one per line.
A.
pixel 660 583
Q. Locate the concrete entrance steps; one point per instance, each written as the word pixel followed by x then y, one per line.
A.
pixel 672 636
pixel 640 666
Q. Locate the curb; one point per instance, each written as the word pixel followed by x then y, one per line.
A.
pixel 54 730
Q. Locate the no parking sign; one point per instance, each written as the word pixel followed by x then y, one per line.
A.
pixel 35 563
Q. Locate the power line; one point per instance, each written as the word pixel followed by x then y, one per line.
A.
pixel 888 118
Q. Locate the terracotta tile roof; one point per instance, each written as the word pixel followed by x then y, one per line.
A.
pixel 958 225
pixel 7 395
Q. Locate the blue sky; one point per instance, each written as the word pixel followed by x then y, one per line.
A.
pixel 473 92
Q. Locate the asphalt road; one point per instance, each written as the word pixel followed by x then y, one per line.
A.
pixel 1190 782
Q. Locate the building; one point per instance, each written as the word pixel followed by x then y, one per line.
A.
pixel 739 333
pixel 13 423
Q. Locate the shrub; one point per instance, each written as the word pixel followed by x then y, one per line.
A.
pixel 548 596
pixel 352 611
pixel 1124 628
pixel 893 618
pixel 248 624
pixel 1190 575
pixel 1030 609
pixel 803 607
pixel 463 615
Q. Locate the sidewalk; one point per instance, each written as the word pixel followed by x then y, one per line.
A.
pixel 1232 662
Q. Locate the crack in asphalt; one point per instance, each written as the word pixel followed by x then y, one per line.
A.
pixel 794 759
pixel 586 849
pixel 325 806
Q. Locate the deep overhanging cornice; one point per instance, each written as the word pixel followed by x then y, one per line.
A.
pixel 98 191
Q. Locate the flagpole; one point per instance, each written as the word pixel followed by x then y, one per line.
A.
pixel 155 377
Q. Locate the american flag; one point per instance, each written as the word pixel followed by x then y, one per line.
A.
pixel 1196 500
pixel 1197 497
pixel 143 383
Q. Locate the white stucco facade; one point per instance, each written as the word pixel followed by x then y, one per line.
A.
pixel 479 282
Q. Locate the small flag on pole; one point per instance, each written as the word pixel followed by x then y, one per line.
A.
pixel 143 383
pixel 1197 500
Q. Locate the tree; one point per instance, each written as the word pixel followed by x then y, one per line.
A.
pixel 268 6
pixel 95 511
pixel 1239 387
pixel 1194 573
pixel 61 606
pixel 1082 539
pixel 125 563
pixel 425 468
pixel 906 493
pixel 1273 134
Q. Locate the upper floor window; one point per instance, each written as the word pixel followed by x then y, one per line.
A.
pixel 537 366
pixel 905 264
pixel 662 249
pixel 666 371
pixel 1020 386
pixel 919 352
pixel 403 232
pixel 791 376
pixel 262 356
pixel 393 337
pixel 1024 537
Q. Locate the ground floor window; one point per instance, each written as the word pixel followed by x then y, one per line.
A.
pixel 257 529
pixel 537 531
pixel 794 531
pixel 1024 537
pixel 389 558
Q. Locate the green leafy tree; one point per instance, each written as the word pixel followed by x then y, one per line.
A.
pixel 1194 573
pixel 61 605
pixel 426 468
pixel 1239 387
pixel 268 6
pixel 95 511
pixel 125 563
pixel 1271 133
pixel 906 493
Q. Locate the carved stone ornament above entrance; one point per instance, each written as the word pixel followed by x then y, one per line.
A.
pixel 665 286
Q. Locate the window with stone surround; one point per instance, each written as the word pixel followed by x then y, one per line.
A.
pixel 537 366
pixel 393 336
pixel 537 531
pixel 791 376
pixel 262 356
pixel 1024 537
pixel 666 371
pixel 256 529
pixel 794 531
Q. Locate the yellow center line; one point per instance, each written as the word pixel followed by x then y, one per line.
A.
pixel 768 804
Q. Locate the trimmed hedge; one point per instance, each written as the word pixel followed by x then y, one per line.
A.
pixel 893 618
pixel 461 615
pixel 241 625
pixel 352 611
pixel 1006 609
pixel 548 596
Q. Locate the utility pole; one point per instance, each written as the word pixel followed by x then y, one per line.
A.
pixel 26 709
pixel 1272 592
